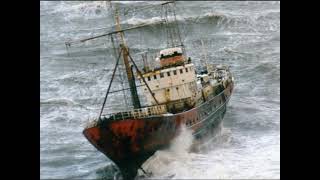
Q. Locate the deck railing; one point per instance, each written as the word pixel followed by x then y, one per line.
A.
pixel 138 113
pixel 153 110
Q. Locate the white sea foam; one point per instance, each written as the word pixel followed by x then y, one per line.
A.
pixel 156 20
pixel 179 162
pixel 165 162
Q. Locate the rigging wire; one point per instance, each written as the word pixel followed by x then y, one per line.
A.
pixel 114 71
pixel 177 25
pixel 172 33
pixel 168 25
pixel 120 74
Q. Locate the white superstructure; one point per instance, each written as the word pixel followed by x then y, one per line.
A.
pixel 171 84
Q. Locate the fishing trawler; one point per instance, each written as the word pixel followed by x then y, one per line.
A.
pixel 176 93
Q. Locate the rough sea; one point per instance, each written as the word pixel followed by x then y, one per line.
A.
pixel 73 82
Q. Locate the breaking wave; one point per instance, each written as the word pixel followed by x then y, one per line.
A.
pixel 162 161
pixel 178 161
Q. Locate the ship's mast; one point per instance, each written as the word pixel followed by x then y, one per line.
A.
pixel 130 76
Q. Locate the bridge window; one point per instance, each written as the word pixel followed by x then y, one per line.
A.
pixel 161 75
pixel 149 79
pixel 174 72
pixel 168 73
pixel 181 71
pixel 155 76
pixel 186 69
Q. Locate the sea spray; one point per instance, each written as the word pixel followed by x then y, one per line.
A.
pixel 180 161
pixel 165 162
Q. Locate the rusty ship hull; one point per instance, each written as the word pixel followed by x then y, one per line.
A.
pixel 130 142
